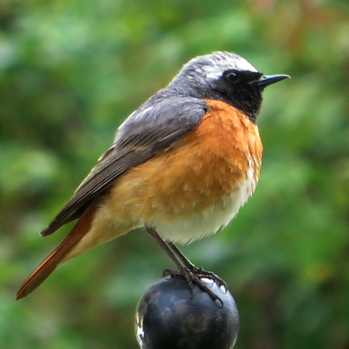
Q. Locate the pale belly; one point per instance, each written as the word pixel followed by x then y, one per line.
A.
pixel 199 224
pixel 195 187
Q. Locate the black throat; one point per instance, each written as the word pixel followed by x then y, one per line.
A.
pixel 243 95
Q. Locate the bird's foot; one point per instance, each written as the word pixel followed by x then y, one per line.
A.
pixel 194 276
pixel 208 275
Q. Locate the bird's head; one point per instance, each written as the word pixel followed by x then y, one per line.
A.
pixel 225 76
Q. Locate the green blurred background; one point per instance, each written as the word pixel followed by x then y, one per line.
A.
pixel 72 70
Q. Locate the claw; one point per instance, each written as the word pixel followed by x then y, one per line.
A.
pixel 209 275
pixel 194 277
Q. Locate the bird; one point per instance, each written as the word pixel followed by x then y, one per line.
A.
pixel 181 165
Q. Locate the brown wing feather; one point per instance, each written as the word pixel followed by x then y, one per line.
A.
pixel 137 142
pixel 96 183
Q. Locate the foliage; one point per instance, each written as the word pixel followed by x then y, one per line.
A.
pixel 72 70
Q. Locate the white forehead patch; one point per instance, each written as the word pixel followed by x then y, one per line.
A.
pixel 222 61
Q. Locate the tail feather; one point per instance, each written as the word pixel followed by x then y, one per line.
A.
pixel 58 255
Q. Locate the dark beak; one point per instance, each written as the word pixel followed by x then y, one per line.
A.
pixel 267 80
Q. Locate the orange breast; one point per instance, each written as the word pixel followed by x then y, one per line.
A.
pixel 197 172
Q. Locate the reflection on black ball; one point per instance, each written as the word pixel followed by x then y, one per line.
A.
pixel 170 316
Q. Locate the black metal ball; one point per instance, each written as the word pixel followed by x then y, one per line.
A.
pixel 171 316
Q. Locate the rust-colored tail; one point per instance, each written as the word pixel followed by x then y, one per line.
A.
pixel 49 264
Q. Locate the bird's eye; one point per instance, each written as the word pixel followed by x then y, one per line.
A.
pixel 232 76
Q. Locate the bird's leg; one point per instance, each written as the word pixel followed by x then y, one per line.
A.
pixel 188 270
pixel 194 269
pixel 164 246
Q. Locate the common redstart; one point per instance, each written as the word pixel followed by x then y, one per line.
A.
pixel 181 165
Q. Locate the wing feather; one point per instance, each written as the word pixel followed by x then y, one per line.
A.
pixel 146 132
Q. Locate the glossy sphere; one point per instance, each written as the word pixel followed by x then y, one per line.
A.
pixel 170 316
